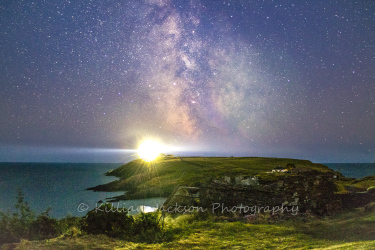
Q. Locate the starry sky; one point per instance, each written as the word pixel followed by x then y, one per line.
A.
pixel 246 78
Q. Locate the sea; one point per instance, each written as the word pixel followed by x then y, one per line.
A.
pixel 62 186
pixel 353 170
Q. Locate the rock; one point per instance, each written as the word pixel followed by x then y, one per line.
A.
pixel 288 190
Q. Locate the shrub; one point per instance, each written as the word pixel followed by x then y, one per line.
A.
pixel 290 166
pixel 14 227
pixel 22 225
pixel 6 231
pixel 71 226
pixel 148 228
pixel 108 220
pixel 44 227
pixel 147 221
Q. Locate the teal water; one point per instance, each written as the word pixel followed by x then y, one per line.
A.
pixel 353 170
pixel 60 186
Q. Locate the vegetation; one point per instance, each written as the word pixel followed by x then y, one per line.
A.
pixel 158 179
pixel 116 223
pixel 365 182
pixel 23 225
pixel 346 185
pixel 113 222
pixel 108 220
pixel 350 230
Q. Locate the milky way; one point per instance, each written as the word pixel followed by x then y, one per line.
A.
pixel 230 77
pixel 194 86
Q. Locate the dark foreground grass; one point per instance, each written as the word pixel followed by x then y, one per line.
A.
pixel 351 230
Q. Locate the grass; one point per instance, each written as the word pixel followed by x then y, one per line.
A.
pixel 159 178
pixel 351 230
pixel 355 184
pixel 77 242
pixel 366 182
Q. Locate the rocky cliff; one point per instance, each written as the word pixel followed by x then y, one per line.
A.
pixel 310 191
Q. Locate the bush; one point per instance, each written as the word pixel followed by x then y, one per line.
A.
pixel 22 225
pixel 149 228
pixel 16 226
pixel 105 219
pixel 71 226
pixel 44 227
pixel 7 234
pixel 114 222
pixel 108 220
pixel 290 166
pixel 147 221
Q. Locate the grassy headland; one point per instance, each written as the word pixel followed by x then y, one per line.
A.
pixel 158 179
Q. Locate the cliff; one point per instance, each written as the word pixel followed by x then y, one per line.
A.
pixel 311 191
pixel 159 179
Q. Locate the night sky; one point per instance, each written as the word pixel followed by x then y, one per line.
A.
pixel 246 78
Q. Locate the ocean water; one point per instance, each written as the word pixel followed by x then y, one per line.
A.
pixel 60 186
pixel 353 170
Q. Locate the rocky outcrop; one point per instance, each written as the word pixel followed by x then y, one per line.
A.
pixel 312 191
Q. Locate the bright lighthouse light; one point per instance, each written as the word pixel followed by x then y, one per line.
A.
pixel 149 150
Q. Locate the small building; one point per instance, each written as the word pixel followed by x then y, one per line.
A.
pixel 279 169
pixel 166 156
